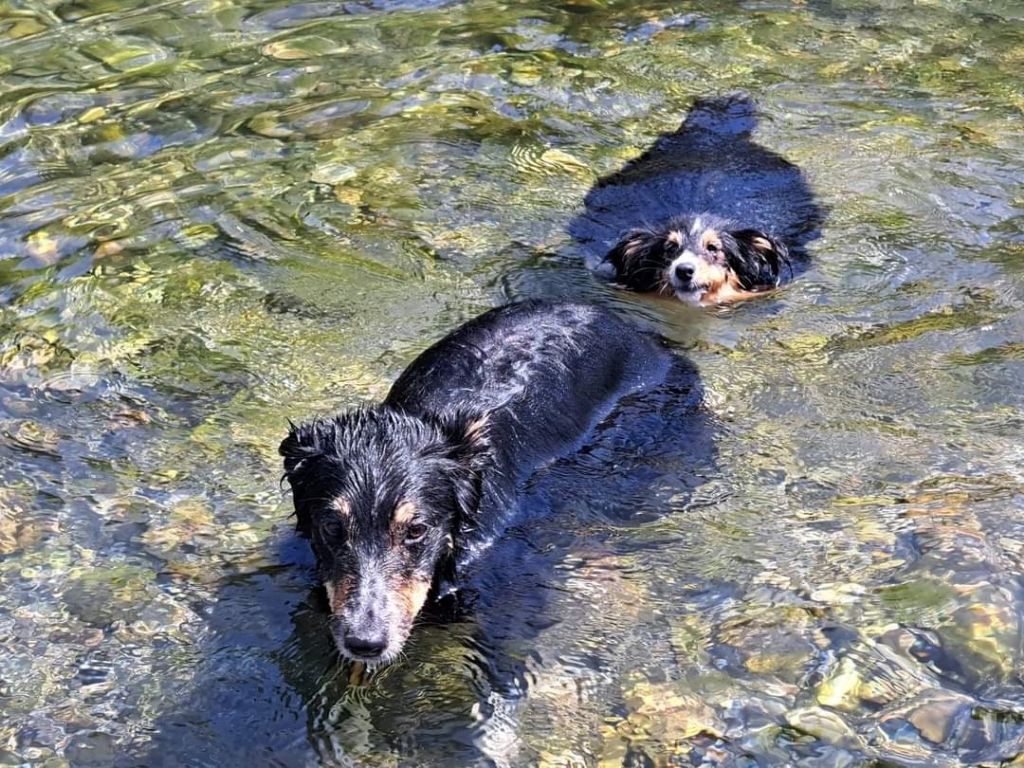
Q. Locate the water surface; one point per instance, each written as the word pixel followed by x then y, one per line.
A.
pixel 215 215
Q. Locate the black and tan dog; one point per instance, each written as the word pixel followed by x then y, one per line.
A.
pixel 398 499
pixel 705 214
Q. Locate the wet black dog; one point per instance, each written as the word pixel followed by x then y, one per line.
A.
pixel 399 498
pixel 705 213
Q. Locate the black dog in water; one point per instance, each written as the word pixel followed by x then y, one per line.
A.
pixel 705 213
pixel 399 498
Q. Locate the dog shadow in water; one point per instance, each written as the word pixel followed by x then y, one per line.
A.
pixel 270 689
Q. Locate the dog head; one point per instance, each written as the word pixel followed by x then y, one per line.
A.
pixel 701 259
pixel 381 494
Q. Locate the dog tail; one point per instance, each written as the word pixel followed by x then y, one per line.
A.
pixel 731 115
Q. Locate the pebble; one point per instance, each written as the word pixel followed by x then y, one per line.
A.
pixel 824 725
pixel 934 718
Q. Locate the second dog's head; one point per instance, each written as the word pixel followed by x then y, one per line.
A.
pixel 702 259
pixel 382 494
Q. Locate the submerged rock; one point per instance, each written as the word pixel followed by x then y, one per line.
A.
pixel 934 717
pixel 824 725
pixel 662 719
pixel 840 690
pixel 101 596
pixel 985 635
pixel 91 748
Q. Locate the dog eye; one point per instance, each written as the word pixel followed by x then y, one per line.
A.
pixel 332 528
pixel 712 248
pixel 415 533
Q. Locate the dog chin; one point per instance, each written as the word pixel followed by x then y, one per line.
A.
pixel 692 296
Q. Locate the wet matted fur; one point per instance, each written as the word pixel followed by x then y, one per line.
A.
pixel 399 498
pixel 647 226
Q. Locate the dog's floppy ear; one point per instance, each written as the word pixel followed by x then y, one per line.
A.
pixel 300 446
pixel 640 257
pixel 758 259
pixel 471 450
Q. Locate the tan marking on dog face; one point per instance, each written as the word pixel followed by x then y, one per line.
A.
pixel 675 237
pixel 761 244
pixel 710 277
pixel 730 291
pixel 337 593
pixel 341 506
pixel 711 238
pixel 405 513
pixel 412 594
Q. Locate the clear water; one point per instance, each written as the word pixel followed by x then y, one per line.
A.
pixel 215 215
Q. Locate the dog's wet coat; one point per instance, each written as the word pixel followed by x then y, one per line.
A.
pixel 708 174
pixel 399 498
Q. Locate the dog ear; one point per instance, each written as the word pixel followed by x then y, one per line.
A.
pixel 472 470
pixel 758 259
pixel 639 258
pixel 471 450
pixel 300 446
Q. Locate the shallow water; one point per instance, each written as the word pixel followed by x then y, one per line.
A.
pixel 216 215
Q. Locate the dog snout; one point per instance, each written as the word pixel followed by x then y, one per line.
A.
pixel 684 272
pixel 684 269
pixel 366 643
pixel 366 635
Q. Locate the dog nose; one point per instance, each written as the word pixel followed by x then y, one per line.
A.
pixel 366 645
pixel 684 272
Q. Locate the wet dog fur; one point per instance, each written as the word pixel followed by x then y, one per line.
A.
pixel 705 214
pixel 702 259
pixel 398 499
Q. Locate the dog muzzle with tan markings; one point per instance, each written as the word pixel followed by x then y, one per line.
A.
pixel 375 599
pixel 379 493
